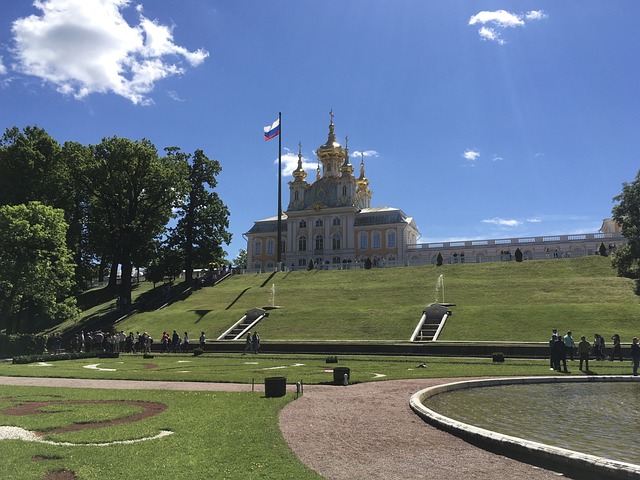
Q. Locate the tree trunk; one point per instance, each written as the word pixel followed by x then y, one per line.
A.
pixel 113 273
pixel 125 287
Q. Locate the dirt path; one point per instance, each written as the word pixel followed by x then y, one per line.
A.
pixel 364 431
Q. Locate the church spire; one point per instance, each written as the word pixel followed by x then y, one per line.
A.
pixel 346 168
pixel 299 174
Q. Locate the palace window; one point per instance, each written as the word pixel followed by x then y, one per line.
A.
pixel 335 242
pixel 319 222
pixel 376 240
pixel 302 224
pixel 271 245
pixel 257 248
pixel 336 260
pixel 391 239
pixel 302 244
pixel 344 190
pixel 296 195
pixel 336 222
pixel 302 262
pixel 364 244
pixel 319 242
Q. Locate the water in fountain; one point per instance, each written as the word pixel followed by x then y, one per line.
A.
pixel 440 287
pixel 273 294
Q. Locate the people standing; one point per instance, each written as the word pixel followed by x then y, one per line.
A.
pixel 248 346
pixel 552 340
pixel 185 343
pixel 597 346
pixel 203 340
pixel 617 348
pixel 635 355
pixel 570 344
pixel 559 353
pixel 256 342
pixel 584 348
pixel 175 342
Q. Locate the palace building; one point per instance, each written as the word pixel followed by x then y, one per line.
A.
pixel 331 223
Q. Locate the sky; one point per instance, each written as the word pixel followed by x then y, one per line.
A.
pixel 479 119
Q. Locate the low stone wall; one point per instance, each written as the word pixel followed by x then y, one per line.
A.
pixel 572 463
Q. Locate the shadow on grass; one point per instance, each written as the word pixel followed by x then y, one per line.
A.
pixel 237 298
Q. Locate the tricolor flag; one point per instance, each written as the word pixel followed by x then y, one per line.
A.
pixel 272 130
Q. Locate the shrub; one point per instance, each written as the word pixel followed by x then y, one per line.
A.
pixel 197 351
pixel 46 357
pixel 332 359
pixel 22 344
pixel 147 355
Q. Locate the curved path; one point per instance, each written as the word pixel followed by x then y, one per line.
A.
pixel 362 431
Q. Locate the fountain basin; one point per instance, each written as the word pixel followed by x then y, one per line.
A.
pixel 573 463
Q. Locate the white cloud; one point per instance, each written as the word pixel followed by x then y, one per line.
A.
pixel 502 222
pixel 499 19
pixel 366 153
pixel 290 163
pixel 534 220
pixel 86 46
pixel 471 155
pixel 3 69
pixel 535 15
pixel 496 158
pixel 487 33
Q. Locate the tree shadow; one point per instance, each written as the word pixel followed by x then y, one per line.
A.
pixel 200 313
pixel 237 298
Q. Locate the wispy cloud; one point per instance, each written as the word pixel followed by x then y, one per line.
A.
pixel 534 220
pixel 290 162
pixel 86 46
pixel 502 222
pixel 492 22
pixel 365 153
pixel 3 69
pixel 471 155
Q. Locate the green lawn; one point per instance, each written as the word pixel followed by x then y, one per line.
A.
pixel 508 301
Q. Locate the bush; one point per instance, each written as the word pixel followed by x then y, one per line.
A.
pixel 197 351
pixel 46 357
pixel 498 357
pixel 147 355
pixel 22 344
pixel 332 359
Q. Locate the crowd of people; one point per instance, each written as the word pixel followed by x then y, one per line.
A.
pixel 565 346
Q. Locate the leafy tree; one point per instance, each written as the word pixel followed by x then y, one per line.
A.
pixel 626 213
pixel 132 192
pixel 439 260
pixel 241 260
pixel 203 218
pixel 36 269
pixel 518 255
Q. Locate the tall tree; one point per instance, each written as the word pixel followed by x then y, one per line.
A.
pixel 36 269
pixel 203 218
pixel 626 213
pixel 133 192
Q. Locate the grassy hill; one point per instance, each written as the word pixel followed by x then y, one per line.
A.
pixel 494 302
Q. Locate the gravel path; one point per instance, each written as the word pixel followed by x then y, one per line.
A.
pixel 363 431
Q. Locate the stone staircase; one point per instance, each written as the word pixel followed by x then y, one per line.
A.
pixel 433 318
pixel 250 319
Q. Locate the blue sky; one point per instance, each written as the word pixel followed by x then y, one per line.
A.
pixel 480 119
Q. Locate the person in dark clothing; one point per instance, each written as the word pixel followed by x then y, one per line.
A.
pixel 552 340
pixel 635 355
pixel 617 348
pixel 559 353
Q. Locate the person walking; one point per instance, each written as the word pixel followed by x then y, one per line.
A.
pixel 203 340
pixel 256 342
pixel 635 355
pixel 185 343
pixel 552 340
pixel 584 348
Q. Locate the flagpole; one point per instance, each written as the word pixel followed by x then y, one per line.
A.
pixel 278 243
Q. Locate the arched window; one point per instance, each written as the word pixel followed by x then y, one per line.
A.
pixel 319 242
pixel 271 246
pixel 376 240
pixel 335 242
pixel 364 244
pixel 257 248
pixel 296 195
pixel 302 244
pixel 391 239
pixel 344 190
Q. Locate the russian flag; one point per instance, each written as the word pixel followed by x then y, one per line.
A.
pixel 272 130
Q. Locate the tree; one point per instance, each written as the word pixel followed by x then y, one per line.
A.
pixel 203 218
pixel 626 213
pixel 241 260
pixel 132 192
pixel 439 260
pixel 36 271
pixel 518 255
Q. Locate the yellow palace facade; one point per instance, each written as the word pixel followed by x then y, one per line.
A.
pixel 330 222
